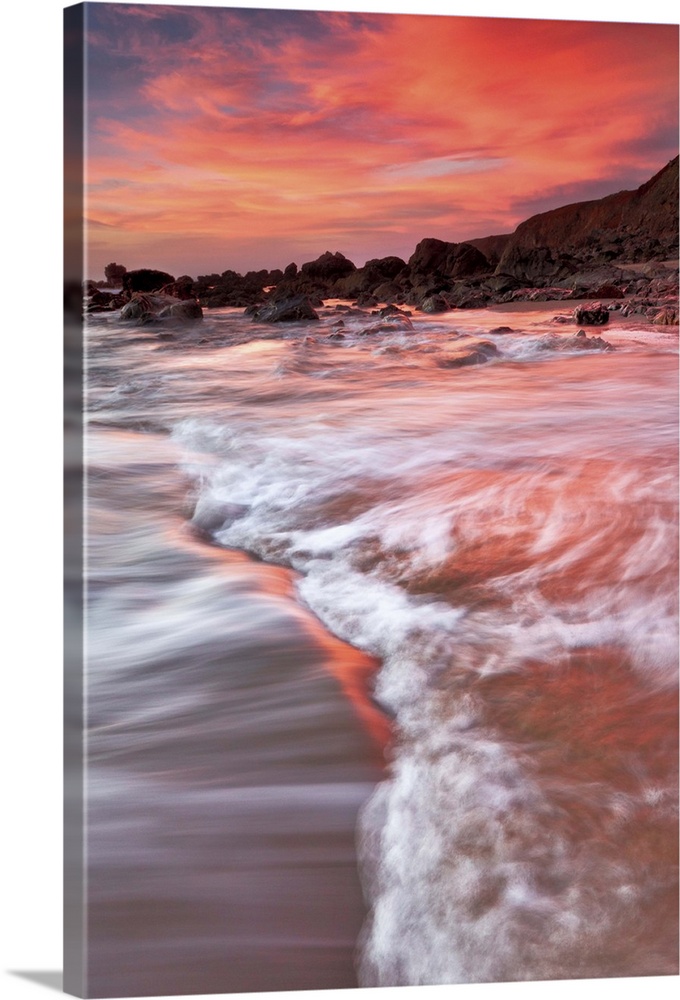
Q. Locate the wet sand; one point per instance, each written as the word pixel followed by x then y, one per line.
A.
pixel 223 805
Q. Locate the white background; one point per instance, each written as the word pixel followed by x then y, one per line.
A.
pixel 30 394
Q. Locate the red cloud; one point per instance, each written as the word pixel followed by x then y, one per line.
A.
pixel 414 126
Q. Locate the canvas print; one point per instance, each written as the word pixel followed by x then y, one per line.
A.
pixel 375 322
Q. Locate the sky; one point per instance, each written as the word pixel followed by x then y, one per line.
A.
pixel 226 138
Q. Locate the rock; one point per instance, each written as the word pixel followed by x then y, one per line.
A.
pixel 384 268
pixel 291 310
pixel 492 246
pixel 389 324
pixel 147 308
pixel 146 280
pixel 502 329
pixel 366 301
pixel 535 265
pixel 469 261
pixel 464 360
pixel 595 275
pixel 184 309
pixel 481 353
pixel 365 280
pixel 328 267
pixel 627 226
pixel 388 291
pixel 212 515
pixel 500 284
pixel 668 316
pixel 100 301
pixel 452 260
pixel 488 347
pixel 580 342
pixel 472 301
pixel 434 304
pixel 181 288
pixel 593 314
pixel 608 292
pixel 392 310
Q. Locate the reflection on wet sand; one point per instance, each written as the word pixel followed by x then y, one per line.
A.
pixel 227 768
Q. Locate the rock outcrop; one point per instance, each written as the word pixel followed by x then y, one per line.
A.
pixel 593 314
pixel 146 308
pixel 145 280
pixel 291 310
pixel 627 226
pixel 588 250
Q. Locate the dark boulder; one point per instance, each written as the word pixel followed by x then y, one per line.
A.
pixel 433 257
pixel 536 266
pixel 608 292
pixel 100 301
pixel 146 280
pixel 429 256
pixel 500 284
pixel 183 309
pixel 482 352
pixel 365 280
pixel 351 286
pixel 328 267
pixel 468 261
pixel 384 268
pixel 389 324
pixel 389 291
pixel 434 304
pixel 180 288
pixel 593 314
pixel 291 310
pixel 392 311
pixel 471 300
pixel 366 301
pixel 147 308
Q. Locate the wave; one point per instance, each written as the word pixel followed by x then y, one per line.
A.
pixel 512 565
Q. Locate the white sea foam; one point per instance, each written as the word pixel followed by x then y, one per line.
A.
pixel 538 512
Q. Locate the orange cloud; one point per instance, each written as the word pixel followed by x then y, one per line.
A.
pixel 240 135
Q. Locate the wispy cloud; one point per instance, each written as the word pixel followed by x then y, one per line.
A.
pixel 443 166
pixel 220 131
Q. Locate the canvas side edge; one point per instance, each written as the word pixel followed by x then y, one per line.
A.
pixel 75 888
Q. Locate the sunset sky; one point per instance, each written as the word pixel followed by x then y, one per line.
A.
pixel 227 138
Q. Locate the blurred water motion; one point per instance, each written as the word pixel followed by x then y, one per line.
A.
pixel 226 769
pixel 499 546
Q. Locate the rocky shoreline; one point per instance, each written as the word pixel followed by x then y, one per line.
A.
pixel 622 249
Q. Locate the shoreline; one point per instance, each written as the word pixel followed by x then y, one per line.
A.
pixel 248 820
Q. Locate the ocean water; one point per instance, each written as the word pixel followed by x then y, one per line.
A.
pixel 382 652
